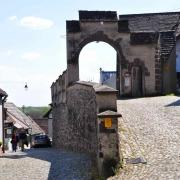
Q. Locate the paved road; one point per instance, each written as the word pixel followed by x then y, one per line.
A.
pixel 150 129
pixel 43 164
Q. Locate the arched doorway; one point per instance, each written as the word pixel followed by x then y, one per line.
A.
pixel 74 47
pixel 137 86
pixel 97 63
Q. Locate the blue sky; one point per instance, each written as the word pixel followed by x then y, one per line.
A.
pixel 33 44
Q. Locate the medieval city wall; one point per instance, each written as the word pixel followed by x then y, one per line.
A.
pixel 82 118
pixel 60 125
pixel 75 119
pixel 130 53
pixel 85 117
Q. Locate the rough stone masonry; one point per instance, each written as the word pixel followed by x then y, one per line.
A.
pixel 145 46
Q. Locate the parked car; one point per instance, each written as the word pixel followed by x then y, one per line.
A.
pixel 41 141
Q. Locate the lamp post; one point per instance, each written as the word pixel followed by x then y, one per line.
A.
pixel 26 86
pixel 30 136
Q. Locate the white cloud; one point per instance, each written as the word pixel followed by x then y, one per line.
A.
pixel 31 55
pixel 9 52
pixel 6 52
pixel 36 22
pixel 12 18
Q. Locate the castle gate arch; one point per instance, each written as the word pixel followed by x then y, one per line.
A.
pixel 92 26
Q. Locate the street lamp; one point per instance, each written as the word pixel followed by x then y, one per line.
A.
pixel 26 86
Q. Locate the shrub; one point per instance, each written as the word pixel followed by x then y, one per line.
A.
pixel 109 166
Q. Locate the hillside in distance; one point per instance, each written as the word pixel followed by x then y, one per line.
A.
pixel 35 112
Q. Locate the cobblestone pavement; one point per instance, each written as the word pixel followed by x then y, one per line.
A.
pixel 150 129
pixel 43 164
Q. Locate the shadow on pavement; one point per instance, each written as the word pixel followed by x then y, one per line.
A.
pixel 63 165
pixel 176 103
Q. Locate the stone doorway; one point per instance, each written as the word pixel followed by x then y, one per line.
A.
pixel 137 81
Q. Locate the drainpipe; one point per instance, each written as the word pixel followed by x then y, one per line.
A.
pixel 3 116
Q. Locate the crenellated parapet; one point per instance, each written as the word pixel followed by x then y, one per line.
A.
pixel 58 89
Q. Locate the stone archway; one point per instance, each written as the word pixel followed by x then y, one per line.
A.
pixel 100 36
pixel 97 63
pixel 84 31
pixel 106 27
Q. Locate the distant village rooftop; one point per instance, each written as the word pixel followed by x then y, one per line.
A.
pixel 21 118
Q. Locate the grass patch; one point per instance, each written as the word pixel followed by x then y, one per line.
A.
pixel 122 129
pixel 171 94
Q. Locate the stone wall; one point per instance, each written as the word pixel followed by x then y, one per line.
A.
pixel 60 125
pixel 58 89
pixel 136 41
pixel 106 101
pixel 82 116
pixel 87 122
pixel 128 49
pixel 141 55
pixel 74 122
pixel 108 149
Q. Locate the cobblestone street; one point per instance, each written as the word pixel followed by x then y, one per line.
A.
pixel 150 129
pixel 43 164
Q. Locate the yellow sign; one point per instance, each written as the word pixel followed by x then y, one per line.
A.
pixel 108 122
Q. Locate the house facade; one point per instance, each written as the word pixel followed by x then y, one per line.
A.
pixel 3 96
pixel 108 78
pixel 18 121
